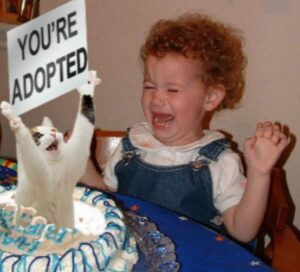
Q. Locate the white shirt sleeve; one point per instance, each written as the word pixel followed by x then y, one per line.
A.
pixel 110 178
pixel 228 180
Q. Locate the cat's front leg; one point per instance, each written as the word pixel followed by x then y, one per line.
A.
pixel 8 112
pixel 86 92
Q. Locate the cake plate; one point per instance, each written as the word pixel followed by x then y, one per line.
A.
pixel 156 251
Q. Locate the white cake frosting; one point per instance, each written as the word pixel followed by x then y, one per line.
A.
pixel 100 240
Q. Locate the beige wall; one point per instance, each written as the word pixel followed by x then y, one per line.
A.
pixel 115 32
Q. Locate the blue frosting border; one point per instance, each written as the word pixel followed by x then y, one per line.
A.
pixel 77 259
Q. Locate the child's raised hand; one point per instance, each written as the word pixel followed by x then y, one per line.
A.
pixel 264 148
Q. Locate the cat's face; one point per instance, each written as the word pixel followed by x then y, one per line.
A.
pixel 49 140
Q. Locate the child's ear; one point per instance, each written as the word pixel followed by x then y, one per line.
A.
pixel 215 95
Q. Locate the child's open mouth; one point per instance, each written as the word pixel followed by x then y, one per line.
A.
pixel 162 120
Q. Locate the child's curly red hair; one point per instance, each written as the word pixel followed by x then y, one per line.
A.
pixel 219 48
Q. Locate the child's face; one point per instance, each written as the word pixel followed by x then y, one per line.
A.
pixel 174 98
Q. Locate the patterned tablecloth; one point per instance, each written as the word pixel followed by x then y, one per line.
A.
pixel 8 172
pixel 197 248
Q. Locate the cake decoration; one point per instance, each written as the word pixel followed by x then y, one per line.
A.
pixel 43 247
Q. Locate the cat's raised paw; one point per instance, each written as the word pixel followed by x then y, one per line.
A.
pixel 6 110
pixel 5 106
pixel 89 87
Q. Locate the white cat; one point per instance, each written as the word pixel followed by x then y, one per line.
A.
pixel 49 168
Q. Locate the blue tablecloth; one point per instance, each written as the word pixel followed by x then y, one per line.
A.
pixel 198 248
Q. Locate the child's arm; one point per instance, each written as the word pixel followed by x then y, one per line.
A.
pixel 261 153
pixel 92 177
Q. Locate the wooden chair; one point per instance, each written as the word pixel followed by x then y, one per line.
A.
pixel 103 145
pixel 282 251
pixel 278 240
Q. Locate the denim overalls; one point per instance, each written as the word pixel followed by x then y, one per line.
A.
pixel 186 188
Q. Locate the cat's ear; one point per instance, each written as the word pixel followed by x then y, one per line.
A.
pixel 47 122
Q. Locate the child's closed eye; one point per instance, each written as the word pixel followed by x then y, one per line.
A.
pixel 148 87
pixel 173 91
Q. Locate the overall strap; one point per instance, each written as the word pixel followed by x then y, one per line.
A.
pixel 214 149
pixel 128 151
pixel 209 153
pixel 127 145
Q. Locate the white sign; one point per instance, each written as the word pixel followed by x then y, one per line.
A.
pixel 47 56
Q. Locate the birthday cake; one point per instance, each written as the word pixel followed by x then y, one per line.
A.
pixel 100 241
